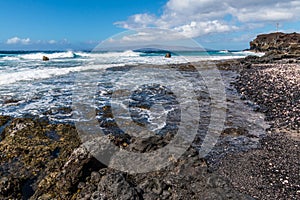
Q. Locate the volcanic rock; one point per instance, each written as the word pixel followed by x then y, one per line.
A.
pixel 168 55
pixel 45 58
pixel 285 43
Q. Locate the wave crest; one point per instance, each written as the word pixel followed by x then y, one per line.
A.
pixel 39 56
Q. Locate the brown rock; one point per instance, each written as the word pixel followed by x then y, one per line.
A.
pixel 45 58
pixel 283 42
pixel 168 55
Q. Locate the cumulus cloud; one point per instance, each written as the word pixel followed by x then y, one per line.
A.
pixel 17 40
pixel 267 11
pixel 138 21
pixel 194 18
pixel 195 29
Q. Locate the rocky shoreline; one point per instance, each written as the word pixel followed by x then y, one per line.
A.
pixel 42 160
pixel 271 171
pixel 45 161
pixel 270 85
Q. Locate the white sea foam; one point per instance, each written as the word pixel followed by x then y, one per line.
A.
pixel 24 69
pixel 248 53
pixel 9 58
pixel 39 86
pixel 35 74
pixel 224 51
pixel 39 56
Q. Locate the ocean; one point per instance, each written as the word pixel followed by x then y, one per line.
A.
pixel 32 87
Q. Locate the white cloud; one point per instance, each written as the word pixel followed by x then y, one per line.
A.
pixel 268 11
pixel 17 40
pixel 195 18
pixel 52 42
pixel 195 29
pixel 138 21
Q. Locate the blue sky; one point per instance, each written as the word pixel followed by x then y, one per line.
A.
pixel 78 24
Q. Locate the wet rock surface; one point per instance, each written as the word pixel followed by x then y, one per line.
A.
pixel 243 129
pixel 3 120
pixel 36 166
pixel 28 154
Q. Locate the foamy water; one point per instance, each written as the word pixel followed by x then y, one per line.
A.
pixel 29 85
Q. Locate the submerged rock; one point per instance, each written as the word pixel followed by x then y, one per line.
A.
pixel 4 120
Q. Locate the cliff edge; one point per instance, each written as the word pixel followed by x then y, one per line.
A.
pixel 281 42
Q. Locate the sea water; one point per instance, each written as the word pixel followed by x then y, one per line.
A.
pixel 30 86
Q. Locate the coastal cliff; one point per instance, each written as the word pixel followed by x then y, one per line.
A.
pixel 281 42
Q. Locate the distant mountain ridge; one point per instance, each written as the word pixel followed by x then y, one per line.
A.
pixel 154 48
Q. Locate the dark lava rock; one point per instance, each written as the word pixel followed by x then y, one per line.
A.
pixel 115 186
pixel 231 64
pixel 186 178
pixel 36 166
pixel 4 120
pixel 28 155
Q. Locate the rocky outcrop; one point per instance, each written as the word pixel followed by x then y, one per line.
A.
pixel 45 58
pixel 168 55
pixel 40 160
pixel 31 152
pixel 187 178
pixel 279 42
pixel 278 47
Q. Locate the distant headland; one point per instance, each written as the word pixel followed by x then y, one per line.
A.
pixel 284 43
